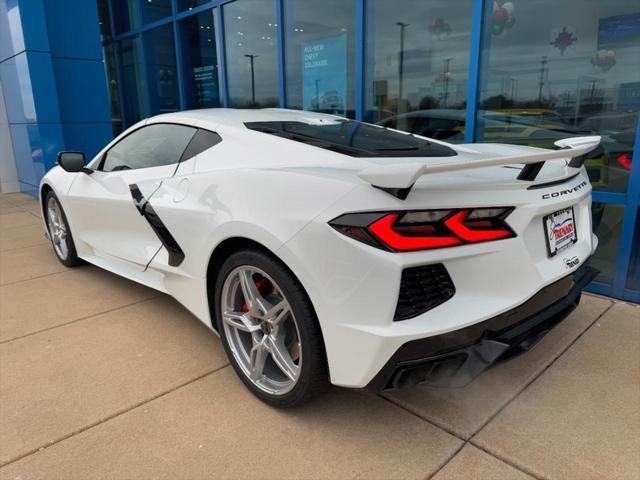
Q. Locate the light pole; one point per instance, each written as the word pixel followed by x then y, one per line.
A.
pixel 543 69
pixel 402 26
pixel 253 79
pixel 447 61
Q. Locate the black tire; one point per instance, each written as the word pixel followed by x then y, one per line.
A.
pixel 71 259
pixel 313 378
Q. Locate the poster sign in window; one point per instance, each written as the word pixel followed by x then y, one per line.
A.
pixel 206 85
pixel 324 75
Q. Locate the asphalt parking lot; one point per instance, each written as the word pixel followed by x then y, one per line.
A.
pixel 102 378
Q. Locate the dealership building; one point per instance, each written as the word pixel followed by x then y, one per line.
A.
pixel 75 73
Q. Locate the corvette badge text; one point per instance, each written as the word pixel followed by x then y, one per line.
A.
pixel 567 191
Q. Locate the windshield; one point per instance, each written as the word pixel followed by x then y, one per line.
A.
pixel 353 138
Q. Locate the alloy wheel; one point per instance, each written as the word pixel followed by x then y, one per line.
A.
pixel 57 228
pixel 261 330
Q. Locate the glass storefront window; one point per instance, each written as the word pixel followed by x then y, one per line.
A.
pixel 251 50
pixel 200 61
pixel 561 69
pixel 607 224
pixel 320 55
pixel 416 67
pixel 153 10
pixel 130 82
pixel 125 15
pixel 112 86
pixel 130 14
pixel 190 4
pixel 633 276
pixel 160 58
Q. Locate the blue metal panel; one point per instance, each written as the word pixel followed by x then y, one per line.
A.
pixel 59 80
pixel 281 54
pixel 87 137
pixel 477 22
pixel 599 288
pixel 35 149
pixel 82 93
pixel 27 80
pixel 631 296
pixel 70 20
pixel 609 197
pixel 222 61
pixel 360 56
pixel 22 27
pixel 11 37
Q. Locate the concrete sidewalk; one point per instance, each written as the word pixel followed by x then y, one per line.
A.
pixel 103 378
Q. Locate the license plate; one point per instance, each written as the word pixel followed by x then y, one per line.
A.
pixel 560 228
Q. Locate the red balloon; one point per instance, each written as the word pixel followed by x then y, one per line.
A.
pixel 500 15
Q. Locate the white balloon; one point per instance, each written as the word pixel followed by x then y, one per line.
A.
pixel 509 7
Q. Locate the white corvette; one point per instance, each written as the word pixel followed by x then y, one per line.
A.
pixel 324 250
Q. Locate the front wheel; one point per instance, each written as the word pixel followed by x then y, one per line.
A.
pixel 59 232
pixel 269 330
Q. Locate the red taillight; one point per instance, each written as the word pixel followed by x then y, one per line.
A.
pixel 427 229
pixel 383 229
pixel 475 231
pixel 625 160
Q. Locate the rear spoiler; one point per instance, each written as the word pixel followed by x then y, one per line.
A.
pixel 398 179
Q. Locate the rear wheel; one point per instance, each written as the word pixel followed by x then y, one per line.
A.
pixel 269 330
pixel 59 232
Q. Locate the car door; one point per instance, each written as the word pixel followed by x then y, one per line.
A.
pixel 112 223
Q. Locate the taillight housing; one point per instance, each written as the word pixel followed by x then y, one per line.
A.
pixel 408 231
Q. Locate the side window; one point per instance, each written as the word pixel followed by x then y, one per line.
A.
pixel 201 141
pixel 150 146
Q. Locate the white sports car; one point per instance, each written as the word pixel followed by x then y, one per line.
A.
pixel 328 251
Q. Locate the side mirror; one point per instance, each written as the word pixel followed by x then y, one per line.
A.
pixel 71 161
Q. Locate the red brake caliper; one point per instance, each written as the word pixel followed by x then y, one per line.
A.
pixel 264 287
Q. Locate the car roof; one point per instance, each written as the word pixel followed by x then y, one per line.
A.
pixel 232 117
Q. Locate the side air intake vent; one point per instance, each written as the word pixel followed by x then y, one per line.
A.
pixel 421 289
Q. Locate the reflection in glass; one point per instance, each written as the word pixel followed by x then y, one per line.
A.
pixel 125 15
pixel 160 57
pixel 131 84
pixel 633 278
pixel 190 4
pixel 251 52
pixel 417 66
pixel 320 55
pixel 112 86
pixel 607 223
pixel 153 10
pixel 104 20
pixel 200 61
pixel 130 14
pixel 574 72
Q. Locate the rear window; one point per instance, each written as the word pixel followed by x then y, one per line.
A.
pixel 353 138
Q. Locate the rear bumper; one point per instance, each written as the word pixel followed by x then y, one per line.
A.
pixel 455 358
